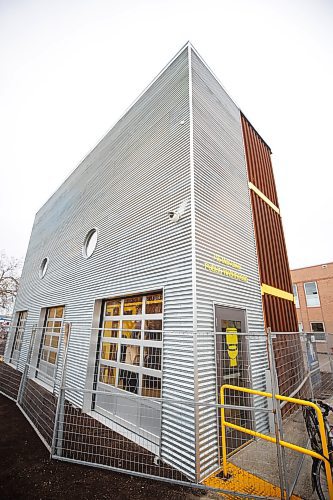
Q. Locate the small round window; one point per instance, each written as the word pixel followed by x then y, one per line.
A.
pixel 90 243
pixel 43 267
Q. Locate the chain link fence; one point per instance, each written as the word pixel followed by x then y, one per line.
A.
pixel 150 403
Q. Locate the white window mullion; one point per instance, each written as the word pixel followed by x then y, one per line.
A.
pixel 123 342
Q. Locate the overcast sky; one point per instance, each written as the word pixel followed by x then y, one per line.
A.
pixel 69 69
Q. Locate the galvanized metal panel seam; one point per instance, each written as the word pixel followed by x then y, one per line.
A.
pixel 124 187
pixel 222 208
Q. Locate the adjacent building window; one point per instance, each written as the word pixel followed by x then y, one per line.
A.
pixel 311 294
pixel 18 336
pixel 49 346
pixel 295 292
pixel 319 330
pixel 130 355
pixel 300 327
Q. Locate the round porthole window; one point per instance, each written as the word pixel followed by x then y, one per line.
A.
pixel 43 267
pixel 90 243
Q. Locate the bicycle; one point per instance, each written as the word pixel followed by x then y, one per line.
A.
pixel 318 473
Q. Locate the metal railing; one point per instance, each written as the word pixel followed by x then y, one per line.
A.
pixel 324 446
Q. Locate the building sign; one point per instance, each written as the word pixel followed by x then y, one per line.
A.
pixel 226 262
pixel 223 271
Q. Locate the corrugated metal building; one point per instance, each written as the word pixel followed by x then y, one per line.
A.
pixel 184 144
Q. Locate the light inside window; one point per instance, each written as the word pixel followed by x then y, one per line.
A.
pixel 90 243
pixel 130 352
pixel 18 335
pixel 50 343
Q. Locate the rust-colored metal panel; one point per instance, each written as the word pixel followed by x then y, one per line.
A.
pixel 273 260
pixel 259 163
pixel 280 314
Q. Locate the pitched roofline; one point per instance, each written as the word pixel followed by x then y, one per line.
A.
pixel 256 131
pixel 225 90
pixel 184 47
pixel 212 72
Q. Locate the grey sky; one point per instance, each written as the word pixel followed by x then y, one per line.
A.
pixel 70 68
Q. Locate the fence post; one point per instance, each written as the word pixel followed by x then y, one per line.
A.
pixel 25 373
pixel 329 353
pixel 277 417
pixel 56 447
pixel 271 423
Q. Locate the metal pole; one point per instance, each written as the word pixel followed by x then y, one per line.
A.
pixel 277 419
pixel 58 420
pixel 268 378
pixel 26 367
pixel 223 434
pixel 329 354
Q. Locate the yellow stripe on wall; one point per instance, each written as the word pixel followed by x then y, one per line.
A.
pixel 263 197
pixel 270 290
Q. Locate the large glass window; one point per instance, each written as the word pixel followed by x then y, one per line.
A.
pixel 50 342
pixel 18 336
pixel 130 355
pixel 311 294
pixel 295 292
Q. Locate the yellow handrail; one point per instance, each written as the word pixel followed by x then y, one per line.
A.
pixel 302 402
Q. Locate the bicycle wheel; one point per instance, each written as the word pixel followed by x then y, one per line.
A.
pixel 320 479
pixel 312 428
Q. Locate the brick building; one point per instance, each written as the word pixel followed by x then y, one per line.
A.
pixel 313 292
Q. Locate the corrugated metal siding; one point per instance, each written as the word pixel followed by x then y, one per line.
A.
pixel 178 429
pixel 223 226
pixel 25 340
pixel 259 164
pixel 273 260
pixel 125 187
pixel 280 314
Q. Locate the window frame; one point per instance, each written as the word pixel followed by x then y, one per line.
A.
pixel 93 231
pixel 43 267
pixel 323 332
pixel 296 296
pixel 41 376
pixel 306 296
pixel 120 341
pixel 19 330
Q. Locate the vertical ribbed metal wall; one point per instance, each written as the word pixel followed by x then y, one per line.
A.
pixel 280 314
pixel 223 226
pixel 125 188
pixel 144 167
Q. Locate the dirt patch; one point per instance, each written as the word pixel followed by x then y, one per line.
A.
pixel 27 472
